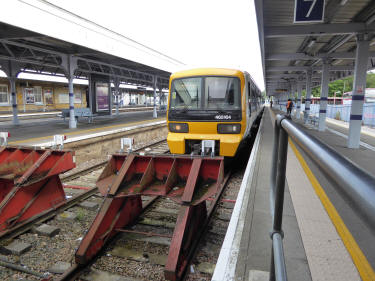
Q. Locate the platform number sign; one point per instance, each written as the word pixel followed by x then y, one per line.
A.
pixel 308 11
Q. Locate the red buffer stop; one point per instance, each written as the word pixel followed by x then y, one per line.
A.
pixel 186 180
pixel 30 183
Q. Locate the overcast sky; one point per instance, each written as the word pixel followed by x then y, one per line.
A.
pixel 208 33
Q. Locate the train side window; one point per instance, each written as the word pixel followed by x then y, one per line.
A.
pixel 249 94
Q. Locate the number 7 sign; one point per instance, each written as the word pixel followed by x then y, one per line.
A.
pixel 309 11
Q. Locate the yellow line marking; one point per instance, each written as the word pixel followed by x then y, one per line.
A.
pixel 88 130
pixel 363 266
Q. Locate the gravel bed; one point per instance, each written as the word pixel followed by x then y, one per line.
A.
pixel 46 251
pixel 153 229
pixel 140 246
pixel 210 246
pixel 129 268
pixel 136 269
pixel 97 160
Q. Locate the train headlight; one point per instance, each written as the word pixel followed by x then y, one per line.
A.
pixel 229 128
pixel 179 127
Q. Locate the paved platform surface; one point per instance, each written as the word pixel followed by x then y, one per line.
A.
pixel 48 114
pixel 357 238
pixel 40 130
pixel 324 239
pixel 255 249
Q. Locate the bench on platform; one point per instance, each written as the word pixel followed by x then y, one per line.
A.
pixel 78 112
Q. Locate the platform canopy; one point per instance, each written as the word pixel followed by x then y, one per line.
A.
pixel 44 41
pixel 296 39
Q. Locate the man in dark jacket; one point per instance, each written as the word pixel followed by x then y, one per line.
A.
pixel 289 107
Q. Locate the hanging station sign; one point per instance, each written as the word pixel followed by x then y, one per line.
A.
pixel 306 11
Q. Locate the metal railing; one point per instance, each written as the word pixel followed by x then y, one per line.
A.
pixel 353 183
pixel 342 112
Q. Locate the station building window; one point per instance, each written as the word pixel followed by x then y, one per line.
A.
pixel 77 97
pixel 4 95
pixel 33 95
pixel 64 97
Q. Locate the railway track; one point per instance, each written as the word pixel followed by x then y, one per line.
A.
pixel 138 252
pixel 80 187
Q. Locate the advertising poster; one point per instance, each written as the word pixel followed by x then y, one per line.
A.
pixel 77 97
pixel 102 98
pixel 48 96
pixel 29 96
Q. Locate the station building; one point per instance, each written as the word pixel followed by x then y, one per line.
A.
pixel 36 96
pixel 40 96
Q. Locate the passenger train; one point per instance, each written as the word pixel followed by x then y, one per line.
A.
pixel 211 104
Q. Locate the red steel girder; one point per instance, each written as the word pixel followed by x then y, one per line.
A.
pixel 189 223
pixel 114 213
pixel 190 181
pixel 30 183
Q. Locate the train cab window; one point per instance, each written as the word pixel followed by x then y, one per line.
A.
pixel 186 93
pixel 222 93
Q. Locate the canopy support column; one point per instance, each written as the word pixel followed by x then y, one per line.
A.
pixel 12 81
pixel 359 87
pixel 298 108
pixel 70 65
pixel 160 96
pixel 116 83
pixel 72 119
pixel 323 96
pixel 155 114
pixel 308 95
pixel 12 68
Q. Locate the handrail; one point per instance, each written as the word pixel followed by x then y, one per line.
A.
pixel 355 184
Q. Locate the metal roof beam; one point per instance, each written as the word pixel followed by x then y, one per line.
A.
pixel 317 29
pixel 294 81
pixel 305 68
pixel 302 56
pixel 290 75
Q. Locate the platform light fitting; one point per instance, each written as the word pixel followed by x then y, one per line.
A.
pixel 311 43
pixel 337 62
pixel 343 2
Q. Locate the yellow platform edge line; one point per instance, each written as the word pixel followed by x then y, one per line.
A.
pixel 364 268
pixel 89 130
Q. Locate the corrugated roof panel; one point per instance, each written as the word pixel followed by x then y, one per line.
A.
pixel 347 12
pixel 278 12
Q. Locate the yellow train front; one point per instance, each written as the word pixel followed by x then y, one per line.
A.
pixel 211 104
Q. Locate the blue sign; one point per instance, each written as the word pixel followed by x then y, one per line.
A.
pixel 309 11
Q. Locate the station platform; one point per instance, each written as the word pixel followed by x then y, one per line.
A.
pixel 39 131
pixel 53 114
pixel 323 237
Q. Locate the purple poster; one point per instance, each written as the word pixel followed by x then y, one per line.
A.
pixel 102 98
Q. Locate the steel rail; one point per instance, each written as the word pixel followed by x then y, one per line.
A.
pixel 76 270
pixel 28 224
pixel 204 228
pixel 100 164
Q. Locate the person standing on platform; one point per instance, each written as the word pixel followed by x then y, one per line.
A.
pixel 289 107
pixel 271 102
